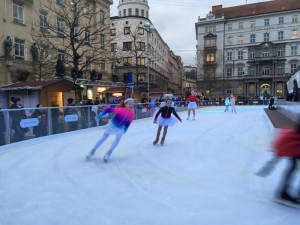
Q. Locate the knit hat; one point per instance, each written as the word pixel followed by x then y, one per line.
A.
pixel 70 100
pixel 128 99
pixel 15 100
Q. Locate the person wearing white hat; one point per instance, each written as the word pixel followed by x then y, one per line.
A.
pixel 118 126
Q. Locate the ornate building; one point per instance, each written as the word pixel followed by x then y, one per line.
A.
pixel 247 50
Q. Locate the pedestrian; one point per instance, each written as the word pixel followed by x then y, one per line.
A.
pixel 118 126
pixel 226 104
pixel 288 145
pixel 71 110
pixel 41 129
pixel 165 120
pixel 2 126
pixel 17 116
pixel 192 100
pixel 232 104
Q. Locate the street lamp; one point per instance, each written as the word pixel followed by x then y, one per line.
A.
pixel 149 29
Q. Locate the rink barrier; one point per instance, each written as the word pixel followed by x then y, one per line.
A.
pixel 21 124
pixel 289 109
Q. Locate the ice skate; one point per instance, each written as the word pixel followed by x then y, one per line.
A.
pixel 188 118
pixel 194 117
pixel 155 141
pixel 287 200
pixel 90 155
pixel 107 155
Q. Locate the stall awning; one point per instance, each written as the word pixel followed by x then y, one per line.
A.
pixel 115 89
pixel 35 85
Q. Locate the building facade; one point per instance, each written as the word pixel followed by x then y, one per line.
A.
pixel 36 34
pixel 129 48
pixel 247 50
pixel 189 78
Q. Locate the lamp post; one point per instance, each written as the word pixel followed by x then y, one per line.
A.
pixel 149 28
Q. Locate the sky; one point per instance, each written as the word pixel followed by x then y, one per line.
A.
pixel 175 21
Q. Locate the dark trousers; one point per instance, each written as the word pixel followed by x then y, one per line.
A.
pixel 2 139
pixel 287 175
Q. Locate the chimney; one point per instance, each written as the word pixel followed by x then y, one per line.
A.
pixel 217 8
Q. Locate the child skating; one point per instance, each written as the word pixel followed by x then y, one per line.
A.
pixel 118 126
pixel 226 104
pixel 192 99
pixel 165 120
pixel 232 104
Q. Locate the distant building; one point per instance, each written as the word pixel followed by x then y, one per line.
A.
pixel 246 50
pixel 189 78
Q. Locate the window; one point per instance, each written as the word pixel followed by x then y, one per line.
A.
pixel 129 12
pixel 141 46
pixel 279 89
pixel 240 55
pixel 60 26
pixel 293 68
pixel 113 32
pixel 18 12
pixel 240 89
pixel 251 88
pixel 147 14
pixel 241 25
pixel 252 38
pixel 60 2
pixel 87 9
pixel 229 72
pixel 143 13
pixel 240 71
pixel 294 34
pixel 251 71
pixel 266 37
pixel 61 55
pixel 114 47
pixel 252 54
pixel 294 51
pixel 229 40
pixel 87 36
pixel 141 61
pixel 210 57
pixel 103 65
pixel 280 52
pixel 124 12
pixel 75 33
pixel 281 20
pixel 142 77
pixel 137 12
pixel 88 63
pixel 266 70
pixel 102 41
pixel 210 29
pixel 210 43
pixel 127 30
pixel 141 30
pixel 295 19
pixel 280 70
pixel 120 14
pixel 267 22
pixel 229 56
pixel 229 89
pixel 241 39
pixel 253 24
pixel 266 54
pixel 127 46
pixel 229 26
pixel 102 16
pixel 19 49
pixel 280 35
pixel 43 20
pixel 127 61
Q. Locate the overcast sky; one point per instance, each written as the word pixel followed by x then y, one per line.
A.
pixel 175 21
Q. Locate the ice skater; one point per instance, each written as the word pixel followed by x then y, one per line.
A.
pixel 192 99
pixel 165 120
pixel 232 104
pixel 226 104
pixel 118 126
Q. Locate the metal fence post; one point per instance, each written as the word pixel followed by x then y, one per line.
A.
pixel 49 122
pixel 7 137
pixel 89 117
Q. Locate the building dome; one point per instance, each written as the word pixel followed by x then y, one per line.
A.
pixel 139 8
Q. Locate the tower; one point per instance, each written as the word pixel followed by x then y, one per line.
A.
pixel 136 8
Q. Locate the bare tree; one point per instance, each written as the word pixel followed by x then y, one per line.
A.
pixel 76 30
pixel 207 67
pixel 135 49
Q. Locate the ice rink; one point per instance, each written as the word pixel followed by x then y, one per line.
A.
pixel 204 174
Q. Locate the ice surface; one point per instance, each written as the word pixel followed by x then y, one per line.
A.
pixel 204 174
